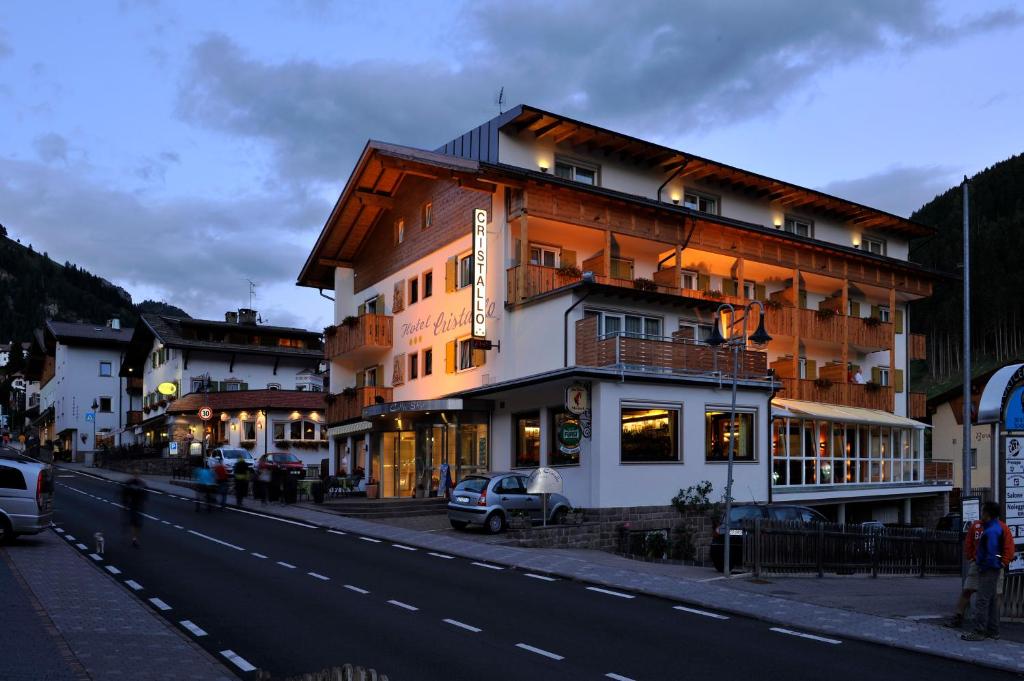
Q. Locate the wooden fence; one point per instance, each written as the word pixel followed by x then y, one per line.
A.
pixel 776 547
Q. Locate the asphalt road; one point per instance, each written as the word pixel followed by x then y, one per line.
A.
pixel 291 598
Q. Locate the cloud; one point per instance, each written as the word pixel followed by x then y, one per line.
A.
pixel 900 190
pixel 654 68
pixel 51 147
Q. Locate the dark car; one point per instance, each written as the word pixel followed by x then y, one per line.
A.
pixel 742 512
pixel 951 522
pixel 282 462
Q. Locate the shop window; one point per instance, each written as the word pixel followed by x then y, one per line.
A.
pixel 650 434
pixel 527 445
pixel 717 435
pixel 560 454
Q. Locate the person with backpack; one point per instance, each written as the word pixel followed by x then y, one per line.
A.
pixel 989 557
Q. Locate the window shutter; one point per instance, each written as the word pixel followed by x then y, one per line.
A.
pixel 899 321
pixel 360 379
pixel 451 272
pixel 399 301
pixel 479 357
pixel 760 292
pixel 876 375
pixel 854 308
pixel 380 375
pixel 729 287
pixel 898 380
pixel 449 357
pixel 876 312
pixel 568 258
pixel 812 369
pixel 703 282
pixel 361 310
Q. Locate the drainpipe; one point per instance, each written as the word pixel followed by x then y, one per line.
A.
pixel 588 278
pixel 671 177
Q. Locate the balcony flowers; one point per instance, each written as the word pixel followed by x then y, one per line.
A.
pixel 825 313
pixel 570 271
pixel 644 284
pixel 350 321
pixel 348 392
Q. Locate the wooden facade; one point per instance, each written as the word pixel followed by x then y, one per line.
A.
pixel 342 407
pixel 367 333
pixel 846 394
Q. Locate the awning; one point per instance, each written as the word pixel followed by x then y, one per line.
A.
pixel 349 429
pixel 833 412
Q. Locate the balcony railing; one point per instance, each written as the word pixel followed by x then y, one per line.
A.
pixel 916 346
pixel 671 355
pixel 134 417
pixel 367 335
pixel 342 407
pixel 917 405
pixel 847 394
pixel 938 470
pixel 829 328
pixel 133 385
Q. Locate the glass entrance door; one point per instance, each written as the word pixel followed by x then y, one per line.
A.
pixel 398 464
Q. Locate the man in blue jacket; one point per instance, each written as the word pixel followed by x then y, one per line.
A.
pixel 989 558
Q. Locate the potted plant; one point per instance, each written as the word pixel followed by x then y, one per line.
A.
pixel 825 313
pixel 329 331
pixel 570 271
pixel 773 304
pixel 372 489
pixel 645 284
pixel 350 321
pixel 872 321
pixel 715 294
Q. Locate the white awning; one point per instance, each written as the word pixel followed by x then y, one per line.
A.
pixel 834 412
pixel 349 429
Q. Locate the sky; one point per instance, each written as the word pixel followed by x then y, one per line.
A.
pixel 181 148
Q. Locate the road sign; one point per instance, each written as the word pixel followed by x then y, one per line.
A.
pixel 205 413
pixel 173 448
pixel 90 416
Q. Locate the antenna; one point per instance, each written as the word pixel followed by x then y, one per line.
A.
pixel 500 100
pixel 252 291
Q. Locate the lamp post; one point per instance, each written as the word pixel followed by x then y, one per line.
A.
pixel 95 406
pixel 759 338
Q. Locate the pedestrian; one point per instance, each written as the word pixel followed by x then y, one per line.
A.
pixel 445 480
pixel 264 482
pixel 241 481
pixel 133 498
pixel 204 482
pixel 220 474
pixel 971 581
pixel 989 558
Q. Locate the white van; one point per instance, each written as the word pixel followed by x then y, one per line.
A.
pixel 26 495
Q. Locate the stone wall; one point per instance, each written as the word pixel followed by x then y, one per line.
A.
pixel 926 511
pixel 158 466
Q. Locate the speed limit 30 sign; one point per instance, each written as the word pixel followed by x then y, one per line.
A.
pixel 205 413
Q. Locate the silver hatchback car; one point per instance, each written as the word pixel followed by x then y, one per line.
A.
pixel 26 495
pixel 489 499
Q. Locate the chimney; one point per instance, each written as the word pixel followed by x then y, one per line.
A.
pixel 115 324
pixel 231 317
pixel 246 316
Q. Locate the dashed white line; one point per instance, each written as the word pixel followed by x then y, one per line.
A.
pixel 370 539
pixel 166 522
pixel 356 589
pixel 790 632
pixel 617 677
pixel 82 546
pixel 151 517
pixel 404 547
pixel 539 651
pixel 268 517
pixel 400 604
pixel 96 557
pixel 541 577
pixel 58 530
pixel 463 625
pixel 319 576
pixel 160 604
pixel 214 539
pixel 441 555
pixel 918 618
pixel 178 527
pixel 258 555
pixel 196 631
pixel 69 537
pixel 487 565
pixel 135 586
pixel 112 570
pixel 286 565
pixel 336 532
pixel 702 613
pixel 239 662
pixel 609 592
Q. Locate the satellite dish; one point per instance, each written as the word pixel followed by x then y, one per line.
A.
pixel 544 481
pixel 167 388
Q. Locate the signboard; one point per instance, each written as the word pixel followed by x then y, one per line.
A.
pixel 1014 414
pixel 479 273
pixel 577 398
pixel 970 510
pixel 167 388
pixel 173 448
pixel 205 413
pixel 90 416
pixel 569 436
pixel 1014 480
pixel 544 481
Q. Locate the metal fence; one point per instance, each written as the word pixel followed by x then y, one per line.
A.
pixel 1013 597
pixel 776 547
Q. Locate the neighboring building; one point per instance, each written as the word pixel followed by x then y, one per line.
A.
pixel 5 354
pixel 171 357
pixel 605 260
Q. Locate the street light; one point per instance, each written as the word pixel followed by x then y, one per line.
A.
pixel 95 406
pixel 760 338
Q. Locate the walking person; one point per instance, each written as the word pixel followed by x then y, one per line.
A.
pixel 204 481
pixel 133 498
pixel 241 482
pixel 220 474
pixel 989 558
pixel 971 581
pixel 264 483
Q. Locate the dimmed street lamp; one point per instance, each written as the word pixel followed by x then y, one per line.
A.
pixel 759 339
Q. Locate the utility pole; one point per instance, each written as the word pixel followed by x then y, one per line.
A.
pixel 967 347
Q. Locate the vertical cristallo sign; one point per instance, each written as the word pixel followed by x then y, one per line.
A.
pixel 479 273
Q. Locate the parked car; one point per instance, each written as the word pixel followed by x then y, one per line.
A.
pixel 951 522
pixel 742 512
pixel 283 462
pixel 229 456
pixel 26 495
pixel 489 499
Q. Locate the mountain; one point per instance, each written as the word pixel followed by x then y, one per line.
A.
pixel 997 278
pixel 34 288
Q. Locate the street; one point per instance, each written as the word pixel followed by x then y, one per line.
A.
pixel 264 593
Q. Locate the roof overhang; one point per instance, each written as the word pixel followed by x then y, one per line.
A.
pixel 833 412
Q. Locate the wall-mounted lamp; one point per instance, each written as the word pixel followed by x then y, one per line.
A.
pixel 856 242
pixel 676 198
pixel 543 165
pixel 234 426
pixel 778 223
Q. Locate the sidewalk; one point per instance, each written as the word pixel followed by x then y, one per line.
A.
pixel 67 620
pixel 656 580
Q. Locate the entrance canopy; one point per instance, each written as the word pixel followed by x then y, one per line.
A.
pixel 990 407
pixel 832 412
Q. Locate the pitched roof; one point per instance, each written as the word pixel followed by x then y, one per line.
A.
pixel 84 333
pixel 172 331
pixel 298 400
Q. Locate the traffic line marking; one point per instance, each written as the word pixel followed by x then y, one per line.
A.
pixel 151 517
pixel 539 651
pixel 134 585
pixel 487 565
pixel 69 537
pixel 214 539
pixel 196 631
pixel 403 547
pixel 112 570
pixel 609 592
pixel 160 604
pixel 702 613
pixel 356 589
pixel 617 677
pixel 918 618
pixel 258 555
pixel 319 576
pixel 441 555
pixel 400 604
pixel 96 557
pixel 542 577
pixel 269 517
pixel 166 522
pixel 463 625
pixel 287 565
pixel 790 632
pixel 82 546
pixel 59 531
pixel 336 532
pixel 370 539
pixel 238 661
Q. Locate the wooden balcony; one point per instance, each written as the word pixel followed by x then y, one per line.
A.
pixel 917 405
pixel 341 407
pixel 661 355
pixel 369 335
pixel 846 394
pixel 938 470
pixel 134 417
pixel 917 348
pixel 133 385
pixel 816 325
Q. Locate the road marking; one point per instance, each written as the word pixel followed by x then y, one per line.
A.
pixel 336 532
pixel 151 517
pixel 356 589
pixel 96 557
pixel 134 585
pixel 441 555
pixel 178 527
pixel 609 592
pixel 702 613
pixel 258 555
pixel 400 604
pixel 239 662
pixel 112 570
pixel 160 604
pixel 65 476
pixel 925 617
pixel 617 677
pixel 370 539
pixel 218 541
pixel 287 565
pixel 269 517
pixel 82 546
pixel 463 625
pixel 543 577
pixel 539 651
pixel 69 537
pixel 790 632
pixel 319 576
pixel 59 531
pixel 166 522
pixel 403 547
pixel 487 565
pixel 196 631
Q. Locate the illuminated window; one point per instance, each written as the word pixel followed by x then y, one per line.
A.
pixel 799 226
pixel 718 435
pixel 296 430
pixel 248 430
pixel 584 173
pixel 650 434
pixel 527 449
pixel 705 203
pixel 428 215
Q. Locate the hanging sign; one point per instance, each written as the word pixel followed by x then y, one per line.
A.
pixel 569 436
pixel 479 273
pixel 577 398
pixel 205 413
pixel 167 388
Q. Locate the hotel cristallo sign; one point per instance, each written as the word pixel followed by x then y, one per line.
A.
pixel 479 273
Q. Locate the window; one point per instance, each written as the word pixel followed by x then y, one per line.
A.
pixel 428 284
pixel 622 268
pixel 548 256
pixel 248 430
pixel 198 384
pixel 375 305
pixel 465 270
pixel 104 403
pixel 428 362
pixel 634 326
pixel 414 290
pixel 690 280
pixel 749 290
pixel 11 478
pixel 428 215
pixel 295 430
pixel 106 369
pixel 399 231
pixel 527 445
pixel 514 484
pixel 650 434
pixel 801 364
pixel 414 365
pixel 799 226
pixel 701 202
pixel 232 386
pixel 883 313
pixel 876 246
pixel 695 331
pixel 717 435
pixel 883 376
pixel 560 454
pixel 974 457
pixel 370 376
pixel 465 354
pixel 576 171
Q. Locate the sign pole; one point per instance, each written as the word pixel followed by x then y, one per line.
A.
pixel 967 347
